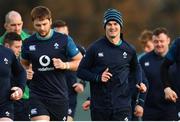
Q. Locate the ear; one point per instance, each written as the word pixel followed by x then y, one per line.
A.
pixel 169 40
pixel 6 45
pixel 50 21
pixel 5 26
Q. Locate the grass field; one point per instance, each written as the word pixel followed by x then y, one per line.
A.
pixel 80 114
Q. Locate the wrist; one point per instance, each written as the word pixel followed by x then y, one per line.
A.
pixel 67 65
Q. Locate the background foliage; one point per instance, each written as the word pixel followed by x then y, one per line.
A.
pixel 84 17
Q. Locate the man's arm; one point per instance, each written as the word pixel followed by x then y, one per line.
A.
pixel 70 65
pixel 20 74
pixel 25 63
pixel 169 93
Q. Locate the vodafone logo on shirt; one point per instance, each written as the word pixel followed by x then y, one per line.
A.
pixel 45 61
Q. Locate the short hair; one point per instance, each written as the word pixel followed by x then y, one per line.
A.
pixel 160 30
pixel 10 15
pixel 59 23
pixel 11 37
pixel 41 13
pixel 145 36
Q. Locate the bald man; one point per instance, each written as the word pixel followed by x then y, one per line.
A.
pixel 13 23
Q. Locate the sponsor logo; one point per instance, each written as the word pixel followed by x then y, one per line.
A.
pixel 100 54
pixel 44 60
pixel 69 111
pixel 33 111
pixel 64 118
pixel 7 113
pixel 126 119
pixel 32 47
pixel 146 64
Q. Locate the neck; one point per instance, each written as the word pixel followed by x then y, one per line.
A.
pixel 162 54
pixel 48 35
pixel 115 40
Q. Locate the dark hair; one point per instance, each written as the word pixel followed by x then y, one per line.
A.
pixel 11 37
pixel 59 23
pixel 145 36
pixel 160 30
pixel 41 13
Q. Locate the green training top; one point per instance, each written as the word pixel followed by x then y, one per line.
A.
pixel 23 35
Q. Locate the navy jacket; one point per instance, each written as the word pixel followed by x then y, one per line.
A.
pixel 10 66
pixel 155 101
pixel 121 61
pixel 172 57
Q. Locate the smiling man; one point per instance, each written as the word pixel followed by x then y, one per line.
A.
pixel 107 65
pixel 156 107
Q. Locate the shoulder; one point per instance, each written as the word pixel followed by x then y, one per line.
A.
pixel 24 35
pixel 30 39
pixel 57 35
pixel 128 47
pixel 98 43
pixel 5 50
pixel 146 56
pixel 2 38
pixel 176 41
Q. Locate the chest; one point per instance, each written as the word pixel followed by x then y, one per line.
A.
pixel 112 56
pixel 152 67
pixel 50 49
pixel 5 64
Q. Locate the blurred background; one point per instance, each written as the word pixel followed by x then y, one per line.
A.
pixel 85 18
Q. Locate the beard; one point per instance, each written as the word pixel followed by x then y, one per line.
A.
pixel 44 34
pixel 112 37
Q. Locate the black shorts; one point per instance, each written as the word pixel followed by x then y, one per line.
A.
pixel 72 104
pixel 21 110
pixel 7 110
pixel 109 115
pixel 56 110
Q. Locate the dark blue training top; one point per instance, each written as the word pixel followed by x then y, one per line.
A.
pixel 155 101
pixel 173 56
pixel 48 82
pixel 9 66
pixel 121 60
pixel 172 59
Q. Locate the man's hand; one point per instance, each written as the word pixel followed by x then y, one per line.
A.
pixel 16 94
pixel 86 105
pixel 59 64
pixel 29 73
pixel 78 87
pixel 138 111
pixel 142 87
pixel 106 75
pixel 170 94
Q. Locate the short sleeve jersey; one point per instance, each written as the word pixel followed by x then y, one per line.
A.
pixel 47 81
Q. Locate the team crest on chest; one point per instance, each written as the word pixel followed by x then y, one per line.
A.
pixel 5 60
pixel 56 46
pixel 124 55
